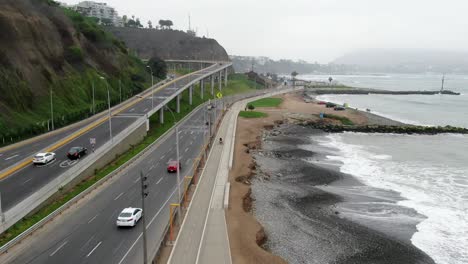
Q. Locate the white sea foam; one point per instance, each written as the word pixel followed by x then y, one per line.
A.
pixel 437 191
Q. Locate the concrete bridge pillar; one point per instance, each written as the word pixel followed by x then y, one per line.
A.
pixel 178 103
pixel 212 77
pixel 225 77
pixel 161 115
pixel 202 88
pixel 190 94
pixel 220 83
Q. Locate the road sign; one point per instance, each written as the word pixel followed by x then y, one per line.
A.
pixel 219 95
pixel 92 141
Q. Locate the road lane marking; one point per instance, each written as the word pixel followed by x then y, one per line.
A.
pixel 136 180
pixel 131 110
pixel 26 181
pixel 162 157
pixel 146 109
pixel 186 150
pixel 159 180
pixel 191 132
pixel 87 242
pixel 89 254
pixel 191 142
pixel 130 249
pixel 90 220
pixel 152 167
pixel 118 196
pixel 12 157
pixel 60 247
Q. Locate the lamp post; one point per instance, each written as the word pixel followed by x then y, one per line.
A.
pixel 110 113
pixel 144 193
pixel 51 108
pixel 152 87
pixel 94 105
pixel 178 163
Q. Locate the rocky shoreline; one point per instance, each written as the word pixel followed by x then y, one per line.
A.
pixel 278 203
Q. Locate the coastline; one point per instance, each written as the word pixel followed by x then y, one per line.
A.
pixel 256 194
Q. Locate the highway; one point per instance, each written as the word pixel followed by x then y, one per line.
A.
pixel 87 233
pixel 29 179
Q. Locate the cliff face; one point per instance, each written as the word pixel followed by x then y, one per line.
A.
pixel 45 48
pixel 170 44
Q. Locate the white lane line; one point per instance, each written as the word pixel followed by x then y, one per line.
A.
pixel 131 110
pixel 186 150
pixel 60 247
pixel 26 181
pixel 118 196
pixel 89 254
pixel 136 180
pixel 162 157
pixel 12 157
pixel 191 132
pixel 92 219
pixel 152 167
pixel 145 110
pixel 159 181
pixel 130 249
pixel 191 142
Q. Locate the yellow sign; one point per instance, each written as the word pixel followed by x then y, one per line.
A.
pixel 219 95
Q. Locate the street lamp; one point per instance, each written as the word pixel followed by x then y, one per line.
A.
pixel 51 109
pixel 144 193
pixel 152 87
pixel 109 105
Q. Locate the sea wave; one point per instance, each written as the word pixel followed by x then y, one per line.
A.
pixel 437 191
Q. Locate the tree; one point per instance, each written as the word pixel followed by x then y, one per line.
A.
pixel 150 24
pixel 138 23
pixel 330 79
pixel 131 23
pixel 294 74
pixel 158 66
pixel 107 22
pixel 165 24
pixel 250 106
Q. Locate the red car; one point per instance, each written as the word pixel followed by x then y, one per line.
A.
pixel 322 102
pixel 173 165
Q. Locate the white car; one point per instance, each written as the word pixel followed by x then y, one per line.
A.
pixel 43 158
pixel 129 216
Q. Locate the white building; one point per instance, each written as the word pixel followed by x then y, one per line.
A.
pixel 100 11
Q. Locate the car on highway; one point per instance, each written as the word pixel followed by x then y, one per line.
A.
pixel 173 166
pixel 339 108
pixel 43 158
pixel 76 152
pixel 129 216
pixel 330 105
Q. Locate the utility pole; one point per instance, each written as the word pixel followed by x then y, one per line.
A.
pixel 94 105
pixel 51 108
pixel 178 174
pixel 120 90
pixel 443 80
pixel 152 87
pixel 109 105
pixel 1 210
pixel 144 186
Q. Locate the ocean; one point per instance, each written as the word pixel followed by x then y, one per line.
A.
pixel 430 173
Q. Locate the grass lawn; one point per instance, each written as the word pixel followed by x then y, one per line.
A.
pixel 267 102
pixel 252 114
pixel 342 119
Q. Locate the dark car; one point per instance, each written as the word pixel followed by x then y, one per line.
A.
pixel 330 105
pixel 76 152
pixel 339 108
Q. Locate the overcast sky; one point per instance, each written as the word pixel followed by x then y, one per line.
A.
pixel 312 30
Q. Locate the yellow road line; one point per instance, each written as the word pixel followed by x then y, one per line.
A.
pixel 91 126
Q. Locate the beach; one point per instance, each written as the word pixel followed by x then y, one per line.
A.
pixel 288 203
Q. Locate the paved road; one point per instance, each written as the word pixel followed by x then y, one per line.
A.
pixel 22 183
pixel 87 233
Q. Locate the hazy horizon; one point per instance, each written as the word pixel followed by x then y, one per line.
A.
pixel 318 31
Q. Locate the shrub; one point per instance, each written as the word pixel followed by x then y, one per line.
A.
pixel 250 106
pixel 74 54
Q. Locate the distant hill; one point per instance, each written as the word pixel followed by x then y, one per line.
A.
pixel 169 44
pixel 407 60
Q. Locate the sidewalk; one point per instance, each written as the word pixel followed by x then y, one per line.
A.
pixel 193 238
pixel 203 237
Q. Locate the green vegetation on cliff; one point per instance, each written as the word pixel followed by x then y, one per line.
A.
pixel 63 54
